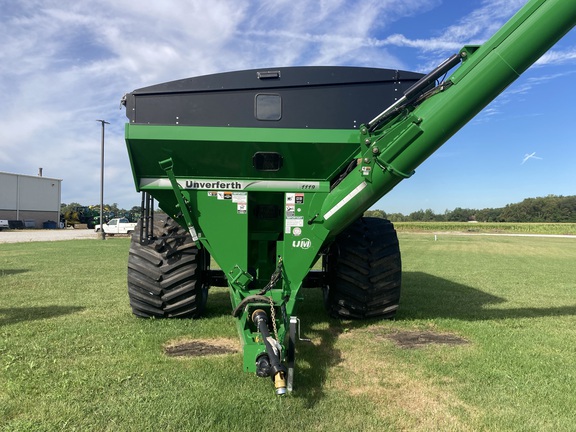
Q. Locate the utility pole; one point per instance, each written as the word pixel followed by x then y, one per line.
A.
pixel 104 122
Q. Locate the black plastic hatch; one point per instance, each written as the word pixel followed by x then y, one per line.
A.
pixel 320 97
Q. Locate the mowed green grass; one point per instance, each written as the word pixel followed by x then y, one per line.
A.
pixel 72 357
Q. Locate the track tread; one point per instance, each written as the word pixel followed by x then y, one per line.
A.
pixel 364 271
pixel 165 278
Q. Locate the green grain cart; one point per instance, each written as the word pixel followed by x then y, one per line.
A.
pixel 269 171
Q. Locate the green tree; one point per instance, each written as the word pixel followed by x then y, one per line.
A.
pixel 396 217
pixel 461 215
pixel 376 214
pixel 422 216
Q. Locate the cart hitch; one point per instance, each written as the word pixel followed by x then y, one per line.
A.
pixel 269 364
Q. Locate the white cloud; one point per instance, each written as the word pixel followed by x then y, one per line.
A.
pixel 66 64
pixel 70 63
pixel 556 57
pixel 473 29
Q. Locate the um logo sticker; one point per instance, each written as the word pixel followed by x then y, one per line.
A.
pixel 304 243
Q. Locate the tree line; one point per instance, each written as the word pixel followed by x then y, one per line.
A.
pixel 552 208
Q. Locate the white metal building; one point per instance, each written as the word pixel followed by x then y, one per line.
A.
pixel 33 200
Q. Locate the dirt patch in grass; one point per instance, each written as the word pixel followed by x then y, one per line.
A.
pixel 421 339
pixel 201 347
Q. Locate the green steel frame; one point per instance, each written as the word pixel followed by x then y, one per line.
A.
pixel 187 170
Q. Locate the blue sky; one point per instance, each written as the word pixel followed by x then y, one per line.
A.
pixel 65 64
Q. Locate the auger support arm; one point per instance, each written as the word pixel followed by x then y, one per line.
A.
pixel 168 167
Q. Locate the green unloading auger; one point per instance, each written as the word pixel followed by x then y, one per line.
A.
pixel 407 133
pixel 267 171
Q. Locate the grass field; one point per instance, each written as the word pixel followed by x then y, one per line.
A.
pixel 72 357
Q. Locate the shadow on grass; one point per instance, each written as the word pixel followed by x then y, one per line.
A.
pixel 13 272
pixel 218 303
pixel 425 296
pixel 318 357
pixel 321 355
pixel 21 314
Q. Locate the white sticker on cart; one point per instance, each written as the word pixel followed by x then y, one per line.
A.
pixel 294 221
pixel 227 184
pixel 240 197
pixel 224 195
pixel 345 201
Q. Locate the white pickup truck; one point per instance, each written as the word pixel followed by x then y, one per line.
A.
pixel 117 226
pixel 4 224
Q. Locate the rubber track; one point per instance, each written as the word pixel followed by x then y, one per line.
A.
pixel 364 271
pixel 165 277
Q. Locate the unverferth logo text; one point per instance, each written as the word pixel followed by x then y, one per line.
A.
pixel 191 184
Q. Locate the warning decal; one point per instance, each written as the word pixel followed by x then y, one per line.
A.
pixel 224 195
pixel 240 197
pixel 294 221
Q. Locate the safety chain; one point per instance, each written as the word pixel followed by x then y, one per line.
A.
pixel 273 317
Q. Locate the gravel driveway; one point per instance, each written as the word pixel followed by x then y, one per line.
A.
pixel 18 236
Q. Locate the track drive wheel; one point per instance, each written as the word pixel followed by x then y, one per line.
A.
pixel 364 271
pixel 166 276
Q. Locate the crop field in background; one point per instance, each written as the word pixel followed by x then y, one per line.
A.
pixel 484 341
pixel 489 227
